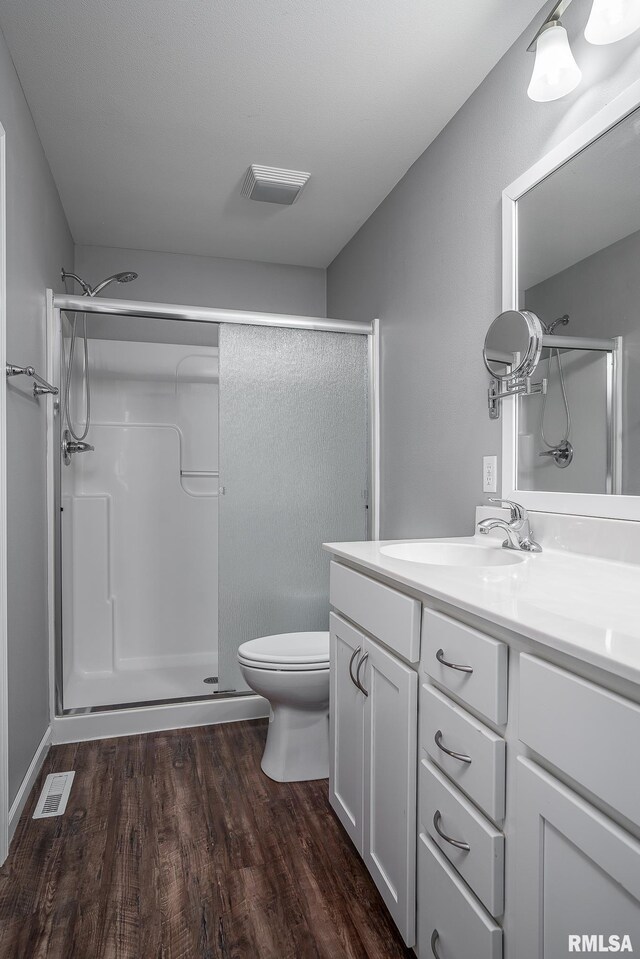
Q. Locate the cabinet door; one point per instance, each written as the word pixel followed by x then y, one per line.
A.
pixel 390 769
pixel 578 873
pixel 346 728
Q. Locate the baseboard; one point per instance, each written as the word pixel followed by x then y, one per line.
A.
pixel 27 783
pixel 152 719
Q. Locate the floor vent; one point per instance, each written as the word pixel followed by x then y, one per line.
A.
pixel 54 796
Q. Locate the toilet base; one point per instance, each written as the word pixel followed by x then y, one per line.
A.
pixel 297 747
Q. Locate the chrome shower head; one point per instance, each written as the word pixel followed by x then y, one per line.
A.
pixel 126 277
pixel 116 278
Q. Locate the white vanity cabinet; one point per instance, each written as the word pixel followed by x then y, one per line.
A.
pixel 590 734
pixel 390 769
pixel 578 872
pixel 499 813
pixel 461 793
pixel 346 729
pixel 373 747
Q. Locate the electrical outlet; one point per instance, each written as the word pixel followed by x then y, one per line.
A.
pixel 489 474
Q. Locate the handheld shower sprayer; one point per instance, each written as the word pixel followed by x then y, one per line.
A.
pixel 74 442
pixel 87 290
pixel 562 452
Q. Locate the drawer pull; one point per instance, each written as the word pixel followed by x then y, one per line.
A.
pixel 360 665
pixel 450 752
pixel 434 943
pixel 353 656
pixel 461 669
pixel 458 843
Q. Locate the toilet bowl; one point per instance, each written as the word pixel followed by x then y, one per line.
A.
pixel 291 671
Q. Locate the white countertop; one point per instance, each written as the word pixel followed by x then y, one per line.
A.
pixel 584 606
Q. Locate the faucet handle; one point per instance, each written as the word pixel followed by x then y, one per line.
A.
pixel 518 512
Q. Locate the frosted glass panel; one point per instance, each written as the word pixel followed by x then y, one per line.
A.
pixel 294 467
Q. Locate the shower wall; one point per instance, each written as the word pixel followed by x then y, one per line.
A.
pixel 585 376
pixel 140 528
pixel 209 281
pixel 601 295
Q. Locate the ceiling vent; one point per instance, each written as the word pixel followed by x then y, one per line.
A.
pixel 271 185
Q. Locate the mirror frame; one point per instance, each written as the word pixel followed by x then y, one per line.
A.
pixel 580 504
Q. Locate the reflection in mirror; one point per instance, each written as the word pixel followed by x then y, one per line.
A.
pixel 578 255
pixel 576 415
pixel 512 345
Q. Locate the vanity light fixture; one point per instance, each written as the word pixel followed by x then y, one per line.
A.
pixel 555 71
pixel 612 20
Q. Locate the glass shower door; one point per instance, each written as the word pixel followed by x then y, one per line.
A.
pixel 293 429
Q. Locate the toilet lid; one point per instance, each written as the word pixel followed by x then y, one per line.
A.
pixel 287 651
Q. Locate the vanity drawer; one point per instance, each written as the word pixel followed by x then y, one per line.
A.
pixel 485 686
pixel 390 616
pixel 482 779
pixel 482 865
pixel 589 733
pixel 451 922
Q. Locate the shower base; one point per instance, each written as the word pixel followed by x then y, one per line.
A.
pixel 86 690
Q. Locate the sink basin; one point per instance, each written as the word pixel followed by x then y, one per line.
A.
pixel 452 554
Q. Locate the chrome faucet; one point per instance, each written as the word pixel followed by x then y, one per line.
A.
pixel 518 529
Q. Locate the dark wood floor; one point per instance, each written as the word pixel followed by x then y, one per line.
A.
pixel 176 846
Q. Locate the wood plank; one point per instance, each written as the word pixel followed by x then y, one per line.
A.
pixel 175 845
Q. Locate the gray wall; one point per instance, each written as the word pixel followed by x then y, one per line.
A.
pixel 601 294
pixel 428 263
pixel 38 241
pixel 207 281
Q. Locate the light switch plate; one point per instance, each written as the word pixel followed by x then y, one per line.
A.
pixel 489 474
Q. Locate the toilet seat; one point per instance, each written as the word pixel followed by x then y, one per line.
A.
pixel 287 651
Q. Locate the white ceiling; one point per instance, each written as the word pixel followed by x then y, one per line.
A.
pixel 150 111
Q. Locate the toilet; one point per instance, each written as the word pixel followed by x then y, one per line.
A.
pixel 291 671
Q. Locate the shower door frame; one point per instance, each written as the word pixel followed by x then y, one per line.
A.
pixel 128 720
pixel 4 653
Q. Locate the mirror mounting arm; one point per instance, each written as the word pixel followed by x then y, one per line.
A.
pixel 518 388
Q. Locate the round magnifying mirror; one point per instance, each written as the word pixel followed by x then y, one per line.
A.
pixel 513 345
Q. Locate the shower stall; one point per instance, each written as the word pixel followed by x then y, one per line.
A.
pixel 223 449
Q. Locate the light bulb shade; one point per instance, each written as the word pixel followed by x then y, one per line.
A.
pixel 555 72
pixel 612 20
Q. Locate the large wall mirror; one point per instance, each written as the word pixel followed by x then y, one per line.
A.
pixel 572 259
